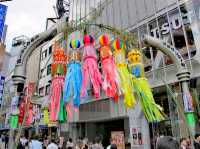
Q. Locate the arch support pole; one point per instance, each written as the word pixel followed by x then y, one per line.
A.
pixel 183 76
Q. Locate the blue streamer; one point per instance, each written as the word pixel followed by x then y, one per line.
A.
pixel 73 82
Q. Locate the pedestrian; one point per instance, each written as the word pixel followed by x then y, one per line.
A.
pixel 61 142
pixel 183 143
pixel 23 140
pixel 52 145
pixel 46 142
pixel 197 141
pixel 70 144
pixel 113 146
pixel 20 146
pixel 167 142
pixel 85 143
pixel 34 143
pixel 112 141
pixel 98 143
pixel 6 141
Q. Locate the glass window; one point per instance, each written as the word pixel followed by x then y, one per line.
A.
pixel 41 73
pixel 44 54
pixel 50 50
pixel 165 35
pixel 41 91
pixel 49 69
pixel 177 32
pixel 146 52
pixel 47 91
pixel 189 32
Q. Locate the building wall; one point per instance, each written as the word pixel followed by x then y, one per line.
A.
pixel 32 66
pixel 45 64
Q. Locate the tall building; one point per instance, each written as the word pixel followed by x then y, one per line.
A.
pixel 9 62
pixel 175 21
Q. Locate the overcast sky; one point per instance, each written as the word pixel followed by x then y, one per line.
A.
pixel 27 17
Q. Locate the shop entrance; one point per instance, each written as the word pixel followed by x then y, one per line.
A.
pixel 103 129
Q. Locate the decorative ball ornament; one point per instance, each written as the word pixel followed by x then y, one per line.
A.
pixel 134 56
pixel 88 39
pixel 75 43
pixel 118 44
pixel 104 40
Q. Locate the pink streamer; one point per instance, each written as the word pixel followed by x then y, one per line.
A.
pixel 56 89
pixel 90 70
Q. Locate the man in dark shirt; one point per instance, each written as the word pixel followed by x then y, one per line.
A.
pixel 197 141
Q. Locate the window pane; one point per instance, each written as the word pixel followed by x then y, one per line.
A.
pixel 41 91
pixel 50 50
pixel 49 69
pixel 178 34
pixel 47 89
pixel 189 31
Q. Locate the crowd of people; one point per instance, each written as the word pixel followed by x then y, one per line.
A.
pixel 36 142
pixel 168 142
pixel 52 143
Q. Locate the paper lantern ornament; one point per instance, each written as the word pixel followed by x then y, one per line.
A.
pixel 104 40
pixel 125 78
pixel 73 79
pixel 152 111
pixel 58 67
pixel 111 80
pixel 14 112
pixel 75 44
pixel 90 68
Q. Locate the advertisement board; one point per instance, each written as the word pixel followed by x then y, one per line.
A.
pixel 3 11
pixel 118 138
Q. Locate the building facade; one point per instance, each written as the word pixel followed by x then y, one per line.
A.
pixel 175 21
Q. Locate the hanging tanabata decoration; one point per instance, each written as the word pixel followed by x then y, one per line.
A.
pixel 90 67
pixel 56 107
pixel 73 79
pixel 125 78
pixel 14 112
pixel 152 111
pixel 26 106
pixel 110 83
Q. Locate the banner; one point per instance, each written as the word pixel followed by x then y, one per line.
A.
pixel 3 11
pixel 2 80
pixel 118 138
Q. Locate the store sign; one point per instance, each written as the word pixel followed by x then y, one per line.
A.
pixel 2 81
pixel 118 138
pixel 175 24
pixel 3 11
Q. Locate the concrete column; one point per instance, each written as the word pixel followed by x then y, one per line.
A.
pixel 138 121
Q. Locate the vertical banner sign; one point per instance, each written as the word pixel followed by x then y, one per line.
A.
pixel 118 138
pixel 2 80
pixel 3 11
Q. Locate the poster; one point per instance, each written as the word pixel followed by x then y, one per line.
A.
pixel 118 137
pixel 137 136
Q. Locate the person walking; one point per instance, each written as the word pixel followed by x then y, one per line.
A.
pixel 183 143
pixel 167 142
pixel 98 143
pixel 111 142
pixel 70 144
pixel 52 145
pixel 34 143
pixel 197 141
